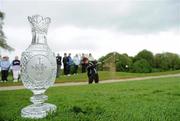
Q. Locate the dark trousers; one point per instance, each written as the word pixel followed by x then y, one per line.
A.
pixel 65 69
pixel 68 69
pixel 58 70
pixel 83 68
pixel 4 75
pixel 93 77
pixel 75 69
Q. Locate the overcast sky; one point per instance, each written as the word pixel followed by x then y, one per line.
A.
pixel 96 26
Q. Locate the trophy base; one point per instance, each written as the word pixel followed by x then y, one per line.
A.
pixel 40 111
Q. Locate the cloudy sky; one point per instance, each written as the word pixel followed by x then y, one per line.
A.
pixel 97 26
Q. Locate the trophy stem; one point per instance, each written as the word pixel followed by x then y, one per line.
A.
pixel 38 99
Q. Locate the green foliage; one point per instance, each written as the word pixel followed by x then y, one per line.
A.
pixel 109 55
pixel 123 63
pixel 147 55
pixel 108 58
pixel 141 66
pixel 3 43
pixel 157 63
pixel 167 61
pixel 148 100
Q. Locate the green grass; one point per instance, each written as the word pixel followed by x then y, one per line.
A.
pixel 103 75
pixel 106 75
pixel 147 100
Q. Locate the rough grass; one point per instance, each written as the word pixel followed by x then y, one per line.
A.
pixel 103 75
pixel 147 100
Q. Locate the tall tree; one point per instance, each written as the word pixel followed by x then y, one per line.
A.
pixel 167 61
pixel 147 55
pixel 123 62
pixel 3 43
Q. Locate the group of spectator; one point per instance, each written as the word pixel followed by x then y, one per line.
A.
pixel 87 63
pixel 71 65
pixel 5 65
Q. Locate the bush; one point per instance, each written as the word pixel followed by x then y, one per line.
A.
pixel 141 66
pixel 123 63
pixel 167 61
pixel 144 61
pixel 147 55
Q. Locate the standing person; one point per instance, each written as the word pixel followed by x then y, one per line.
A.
pixel 76 62
pixel 16 69
pixel 0 64
pixel 83 63
pixel 70 62
pixel 5 65
pixel 65 62
pixel 58 60
pixel 90 58
pixel 0 61
pixel 92 72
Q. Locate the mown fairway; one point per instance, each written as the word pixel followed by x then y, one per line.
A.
pixel 147 100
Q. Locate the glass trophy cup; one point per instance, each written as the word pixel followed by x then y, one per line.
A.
pixel 38 69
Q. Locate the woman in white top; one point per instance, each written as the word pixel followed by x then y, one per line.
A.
pixel 76 62
pixel 16 69
pixel 90 58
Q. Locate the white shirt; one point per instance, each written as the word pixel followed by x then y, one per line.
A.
pixel 76 60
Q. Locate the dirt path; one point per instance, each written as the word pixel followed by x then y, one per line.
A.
pixel 103 81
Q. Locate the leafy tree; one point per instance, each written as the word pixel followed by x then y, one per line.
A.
pixel 143 62
pixel 108 56
pixel 108 59
pixel 167 61
pixel 3 43
pixel 147 55
pixel 123 63
pixel 141 66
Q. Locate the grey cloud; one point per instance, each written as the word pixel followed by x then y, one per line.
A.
pixel 141 17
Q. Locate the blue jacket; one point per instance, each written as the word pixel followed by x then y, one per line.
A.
pixel 5 65
pixel 70 61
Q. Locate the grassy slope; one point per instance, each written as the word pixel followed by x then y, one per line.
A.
pixel 149 100
pixel 104 75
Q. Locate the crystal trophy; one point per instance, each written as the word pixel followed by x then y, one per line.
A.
pixel 38 71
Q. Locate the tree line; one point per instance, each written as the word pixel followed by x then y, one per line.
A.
pixel 3 43
pixel 144 62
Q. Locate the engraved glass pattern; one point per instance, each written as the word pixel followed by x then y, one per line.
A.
pixel 38 70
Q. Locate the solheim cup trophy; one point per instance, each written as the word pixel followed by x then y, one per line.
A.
pixel 38 70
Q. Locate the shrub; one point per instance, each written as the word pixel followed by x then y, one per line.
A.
pixel 147 55
pixel 141 66
pixel 123 63
pixel 167 61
